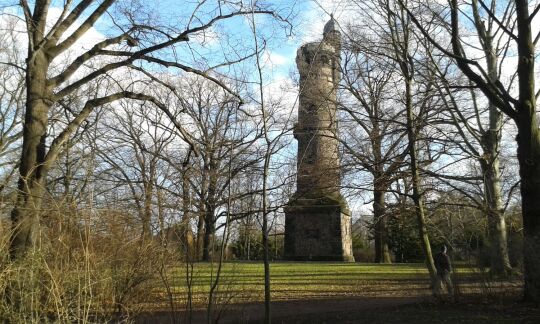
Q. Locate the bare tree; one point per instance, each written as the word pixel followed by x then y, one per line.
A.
pixel 132 142
pixel 479 129
pixel 48 83
pixel 222 134
pixel 390 36
pixel 519 105
pixel 273 126
pixel 12 95
pixel 381 151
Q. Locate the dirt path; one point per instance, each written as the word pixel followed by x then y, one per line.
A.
pixel 366 310
pixel 289 311
pixel 307 311
pixel 405 300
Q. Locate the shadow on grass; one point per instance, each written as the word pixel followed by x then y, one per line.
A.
pixel 370 310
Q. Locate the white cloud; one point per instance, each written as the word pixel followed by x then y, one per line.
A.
pixel 86 42
pixel 319 13
pixel 282 94
pixel 207 38
pixel 275 59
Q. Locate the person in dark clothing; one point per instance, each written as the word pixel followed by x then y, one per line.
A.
pixel 444 269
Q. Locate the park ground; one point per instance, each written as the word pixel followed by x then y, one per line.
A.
pixel 320 292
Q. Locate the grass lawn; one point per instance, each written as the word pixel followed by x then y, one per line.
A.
pixel 243 282
pixel 324 292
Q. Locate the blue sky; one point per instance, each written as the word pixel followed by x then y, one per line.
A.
pixel 308 20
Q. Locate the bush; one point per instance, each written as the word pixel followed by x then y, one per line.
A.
pixel 89 268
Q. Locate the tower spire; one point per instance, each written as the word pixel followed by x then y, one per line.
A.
pixel 331 34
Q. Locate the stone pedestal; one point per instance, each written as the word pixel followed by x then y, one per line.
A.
pixel 318 230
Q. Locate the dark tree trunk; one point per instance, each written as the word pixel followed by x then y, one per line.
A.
pixel 529 169
pixel 382 254
pixel 528 140
pixel 415 175
pixel 147 212
pixel 490 141
pixel 200 235
pixel 25 216
pixel 209 232
pixel 186 213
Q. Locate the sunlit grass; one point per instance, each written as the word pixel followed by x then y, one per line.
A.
pixel 243 281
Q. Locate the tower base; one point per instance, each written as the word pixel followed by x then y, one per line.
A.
pixel 318 230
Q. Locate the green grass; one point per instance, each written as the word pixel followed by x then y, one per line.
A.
pixel 244 281
pixel 404 286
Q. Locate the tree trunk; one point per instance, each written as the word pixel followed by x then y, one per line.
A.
pixel 209 231
pixel 500 262
pixel 528 140
pixel 382 254
pixel 186 211
pixel 200 235
pixel 265 212
pixel 147 212
pixel 161 216
pixel 529 165
pixel 416 196
pixel 25 216
pixel 25 219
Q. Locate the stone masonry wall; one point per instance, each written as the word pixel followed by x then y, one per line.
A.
pixel 317 219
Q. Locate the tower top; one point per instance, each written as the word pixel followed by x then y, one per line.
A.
pixel 331 34
pixel 331 26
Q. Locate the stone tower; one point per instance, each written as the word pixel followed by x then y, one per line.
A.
pixel 317 219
